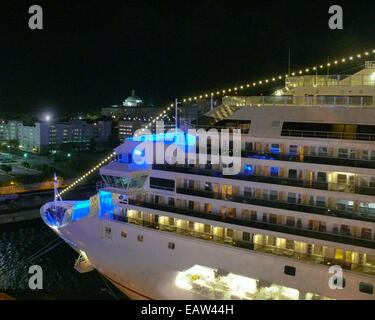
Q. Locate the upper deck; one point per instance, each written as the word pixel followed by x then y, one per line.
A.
pixel 331 80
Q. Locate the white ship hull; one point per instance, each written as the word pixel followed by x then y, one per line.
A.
pixel 148 269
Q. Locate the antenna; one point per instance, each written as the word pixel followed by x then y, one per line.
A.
pixel 289 64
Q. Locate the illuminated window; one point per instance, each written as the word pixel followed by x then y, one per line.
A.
pixel 230 233
pixel 208 207
pixel 274 172
pixel 124 234
pixel 339 254
pixel 289 244
pixel 341 178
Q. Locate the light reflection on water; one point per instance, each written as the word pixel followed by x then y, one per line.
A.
pixel 60 280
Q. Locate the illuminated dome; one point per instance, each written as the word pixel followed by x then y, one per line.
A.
pixel 132 101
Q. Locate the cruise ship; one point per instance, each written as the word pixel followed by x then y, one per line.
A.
pixel 302 202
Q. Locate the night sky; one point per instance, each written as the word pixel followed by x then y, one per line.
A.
pixel 92 53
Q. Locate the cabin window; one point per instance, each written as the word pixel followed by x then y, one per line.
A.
pixel 230 233
pixel 171 202
pixel 341 178
pixel 232 212
pixel 290 221
pixel 343 153
pixel 124 234
pixel 245 236
pixel 248 169
pixel 272 218
pixel 320 201
pixel 207 228
pixel 290 271
pixel 371 208
pixel 289 244
pixel 253 215
pixel 171 221
pixel 162 184
pixel 247 192
pixel 208 186
pixel 208 207
pixel 322 151
pixel 293 149
pixel 249 146
pixel 366 287
pixel 322 177
pixel 292 174
pixel 274 172
pixel 292 197
pixel 171 245
pixel 273 195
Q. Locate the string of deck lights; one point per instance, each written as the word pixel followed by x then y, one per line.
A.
pixel 222 92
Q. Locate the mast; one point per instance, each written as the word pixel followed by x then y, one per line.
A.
pixel 55 185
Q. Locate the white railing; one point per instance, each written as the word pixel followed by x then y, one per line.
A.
pixel 330 80
pixel 302 101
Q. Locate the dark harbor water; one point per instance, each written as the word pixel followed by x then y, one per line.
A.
pixel 19 241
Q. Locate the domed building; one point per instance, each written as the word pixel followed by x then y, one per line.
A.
pixel 132 101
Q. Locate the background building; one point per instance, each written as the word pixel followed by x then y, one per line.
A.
pixel 80 135
pixel 8 130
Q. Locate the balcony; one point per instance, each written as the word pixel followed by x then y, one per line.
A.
pixel 366 243
pixel 248 245
pixel 280 205
pixel 271 180
pixel 310 159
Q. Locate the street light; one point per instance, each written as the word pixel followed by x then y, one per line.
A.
pixel 25 155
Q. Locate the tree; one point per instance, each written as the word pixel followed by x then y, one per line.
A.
pixel 6 168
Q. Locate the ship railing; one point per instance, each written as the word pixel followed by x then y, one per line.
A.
pixel 328 135
pixel 278 204
pixel 252 245
pixel 330 81
pixel 309 158
pixel 299 231
pixel 300 101
pixel 320 185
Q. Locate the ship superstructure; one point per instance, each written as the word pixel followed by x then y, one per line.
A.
pixel 303 201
